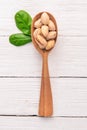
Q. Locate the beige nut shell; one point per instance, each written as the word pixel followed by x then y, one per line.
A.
pixel 42 40
pixel 39 44
pixel 51 25
pixel 36 32
pixel 51 35
pixel 45 18
pixel 50 44
pixel 44 30
pixel 38 23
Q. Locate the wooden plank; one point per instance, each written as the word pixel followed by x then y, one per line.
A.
pixel 33 123
pixel 68 58
pixel 20 96
pixel 70 15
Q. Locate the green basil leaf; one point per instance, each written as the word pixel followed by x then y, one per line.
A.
pixel 23 21
pixel 19 39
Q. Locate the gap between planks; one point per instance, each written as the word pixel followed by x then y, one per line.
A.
pixel 1 115
pixel 71 77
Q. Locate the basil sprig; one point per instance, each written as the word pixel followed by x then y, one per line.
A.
pixel 23 22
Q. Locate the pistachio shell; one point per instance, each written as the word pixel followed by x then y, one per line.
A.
pixel 51 35
pixel 38 23
pixel 50 44
pixel 39 44
pixel 36 32
pixel 45 18
pixel 44 30
pixel 42 40
pixel 51 25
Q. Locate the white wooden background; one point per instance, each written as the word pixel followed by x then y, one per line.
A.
pixel 20 68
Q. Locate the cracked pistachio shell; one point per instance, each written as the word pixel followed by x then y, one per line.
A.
pixel 44 30
pixel 50 44
pixel 36 32
pixel 51 25
pixel 39 44
pixel 38 23
pixel 45 18
pixel 51 35
pixel 42 40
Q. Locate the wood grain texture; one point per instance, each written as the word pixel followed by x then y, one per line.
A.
pixel 46 101
pixel 20 96
pixel 21 68
pixel 29 123
pixel 68 58
pixel 71 16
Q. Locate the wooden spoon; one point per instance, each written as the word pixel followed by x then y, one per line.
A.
pixel 46 103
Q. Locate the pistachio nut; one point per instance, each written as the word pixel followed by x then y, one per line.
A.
pixel 36 32
pixel 51 35
pixel 50 44
pixel 51 25
pixel 42 40
pixel 38 23
pixel 44 30
pixel 45 18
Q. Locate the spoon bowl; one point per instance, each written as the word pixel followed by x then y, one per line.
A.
pixel 41 51
pixel 46 103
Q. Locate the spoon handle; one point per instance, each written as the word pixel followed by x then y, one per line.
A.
pixel 46 103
